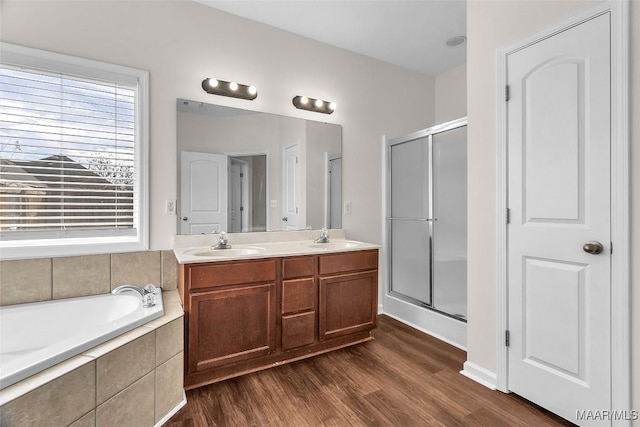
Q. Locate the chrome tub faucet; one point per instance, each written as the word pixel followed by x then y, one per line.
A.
pixel 148 293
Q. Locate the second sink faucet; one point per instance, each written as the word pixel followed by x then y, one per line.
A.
pixel 324 236
pixel 223 242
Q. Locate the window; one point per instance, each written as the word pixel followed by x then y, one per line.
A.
pixel 73 149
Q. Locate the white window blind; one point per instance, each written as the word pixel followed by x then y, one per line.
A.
pixel 67 153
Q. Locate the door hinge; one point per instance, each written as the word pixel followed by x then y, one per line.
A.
pixel 611 246
pixel 241 175
pixel 506 338
pixel 506 93
pixel 296 160
pixel 508 216
pixel 296 209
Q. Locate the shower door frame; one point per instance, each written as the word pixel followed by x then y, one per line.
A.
pixel 389 143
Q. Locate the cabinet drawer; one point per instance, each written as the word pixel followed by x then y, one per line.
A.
pixel 298 295
pixel 235 273
pixel 348 261
pixel 298 330
pixel 298 267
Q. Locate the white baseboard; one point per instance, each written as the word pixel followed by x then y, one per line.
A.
pixel 172 412
pixel 479 375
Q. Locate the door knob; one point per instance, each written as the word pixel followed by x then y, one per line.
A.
pixel 592 247
pixel 284 218
pixel 184 218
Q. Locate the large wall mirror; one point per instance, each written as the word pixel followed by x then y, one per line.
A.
pixel 247 171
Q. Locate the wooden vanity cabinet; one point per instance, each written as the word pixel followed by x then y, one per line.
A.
pixel 243 316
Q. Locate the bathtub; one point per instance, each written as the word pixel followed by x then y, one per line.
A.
pixel 36 336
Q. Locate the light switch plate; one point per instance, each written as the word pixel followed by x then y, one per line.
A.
pixel 274 203
pixel 347 208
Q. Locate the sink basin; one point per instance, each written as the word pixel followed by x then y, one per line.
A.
pixel 223 253
pixel 333 245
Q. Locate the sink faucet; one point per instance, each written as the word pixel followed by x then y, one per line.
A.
pixel 223 242
pixel 324 236
pixel 148 293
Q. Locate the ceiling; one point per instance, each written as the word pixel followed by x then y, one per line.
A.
pixel 409 33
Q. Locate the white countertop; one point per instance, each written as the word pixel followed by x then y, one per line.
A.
pixel 300 244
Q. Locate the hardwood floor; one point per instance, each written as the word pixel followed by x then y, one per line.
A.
pixel 402 378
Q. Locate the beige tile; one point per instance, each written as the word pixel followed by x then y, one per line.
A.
pixel 169 382
pixel 135 268
pixel 170 296
pixel 169 271
pixel 172 310
pixel 169 341
pixel 81 275
pixel 25 280
pixel 133 407
pixel 122 367
pixel 58 403
pixel 88 420
pixel 31 383
pixel 117 342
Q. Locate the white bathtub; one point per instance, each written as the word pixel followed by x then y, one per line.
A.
pixel 36 336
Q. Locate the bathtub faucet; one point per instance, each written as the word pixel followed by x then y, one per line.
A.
pixel 148 293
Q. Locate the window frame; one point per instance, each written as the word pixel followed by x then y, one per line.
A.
pixel 90 241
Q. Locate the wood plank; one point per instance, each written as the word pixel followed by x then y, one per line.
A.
pixel 402 378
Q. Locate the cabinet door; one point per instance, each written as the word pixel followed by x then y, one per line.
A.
pixel 231 325
pixel 348 304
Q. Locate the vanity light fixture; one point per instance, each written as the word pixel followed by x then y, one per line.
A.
pixel 311 104
pixel 232 89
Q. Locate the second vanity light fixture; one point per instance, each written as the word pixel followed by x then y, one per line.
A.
pixel 233 89
pixel 311 104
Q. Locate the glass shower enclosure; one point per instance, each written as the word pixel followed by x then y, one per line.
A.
pixel 427 218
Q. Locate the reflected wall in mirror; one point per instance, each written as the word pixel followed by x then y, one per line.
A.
pixel 242 171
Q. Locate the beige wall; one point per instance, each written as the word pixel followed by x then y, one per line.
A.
pixel 181 43
pixel 491 25
pixel 451 94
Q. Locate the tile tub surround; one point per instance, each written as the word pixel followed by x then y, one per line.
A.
pixel 134 379
pixel 42 279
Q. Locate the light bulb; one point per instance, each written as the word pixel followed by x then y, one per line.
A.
pixel 252 90
pixel 233 86
pixel 332 106
pixel 318 103
pixel 213 83
pixel 304 100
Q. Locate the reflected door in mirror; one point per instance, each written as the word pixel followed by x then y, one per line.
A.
pixel 203 201
pixel 291 184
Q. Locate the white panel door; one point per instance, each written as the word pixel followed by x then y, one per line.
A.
pixel 559 199
pixel 290 188
pixel 203 192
